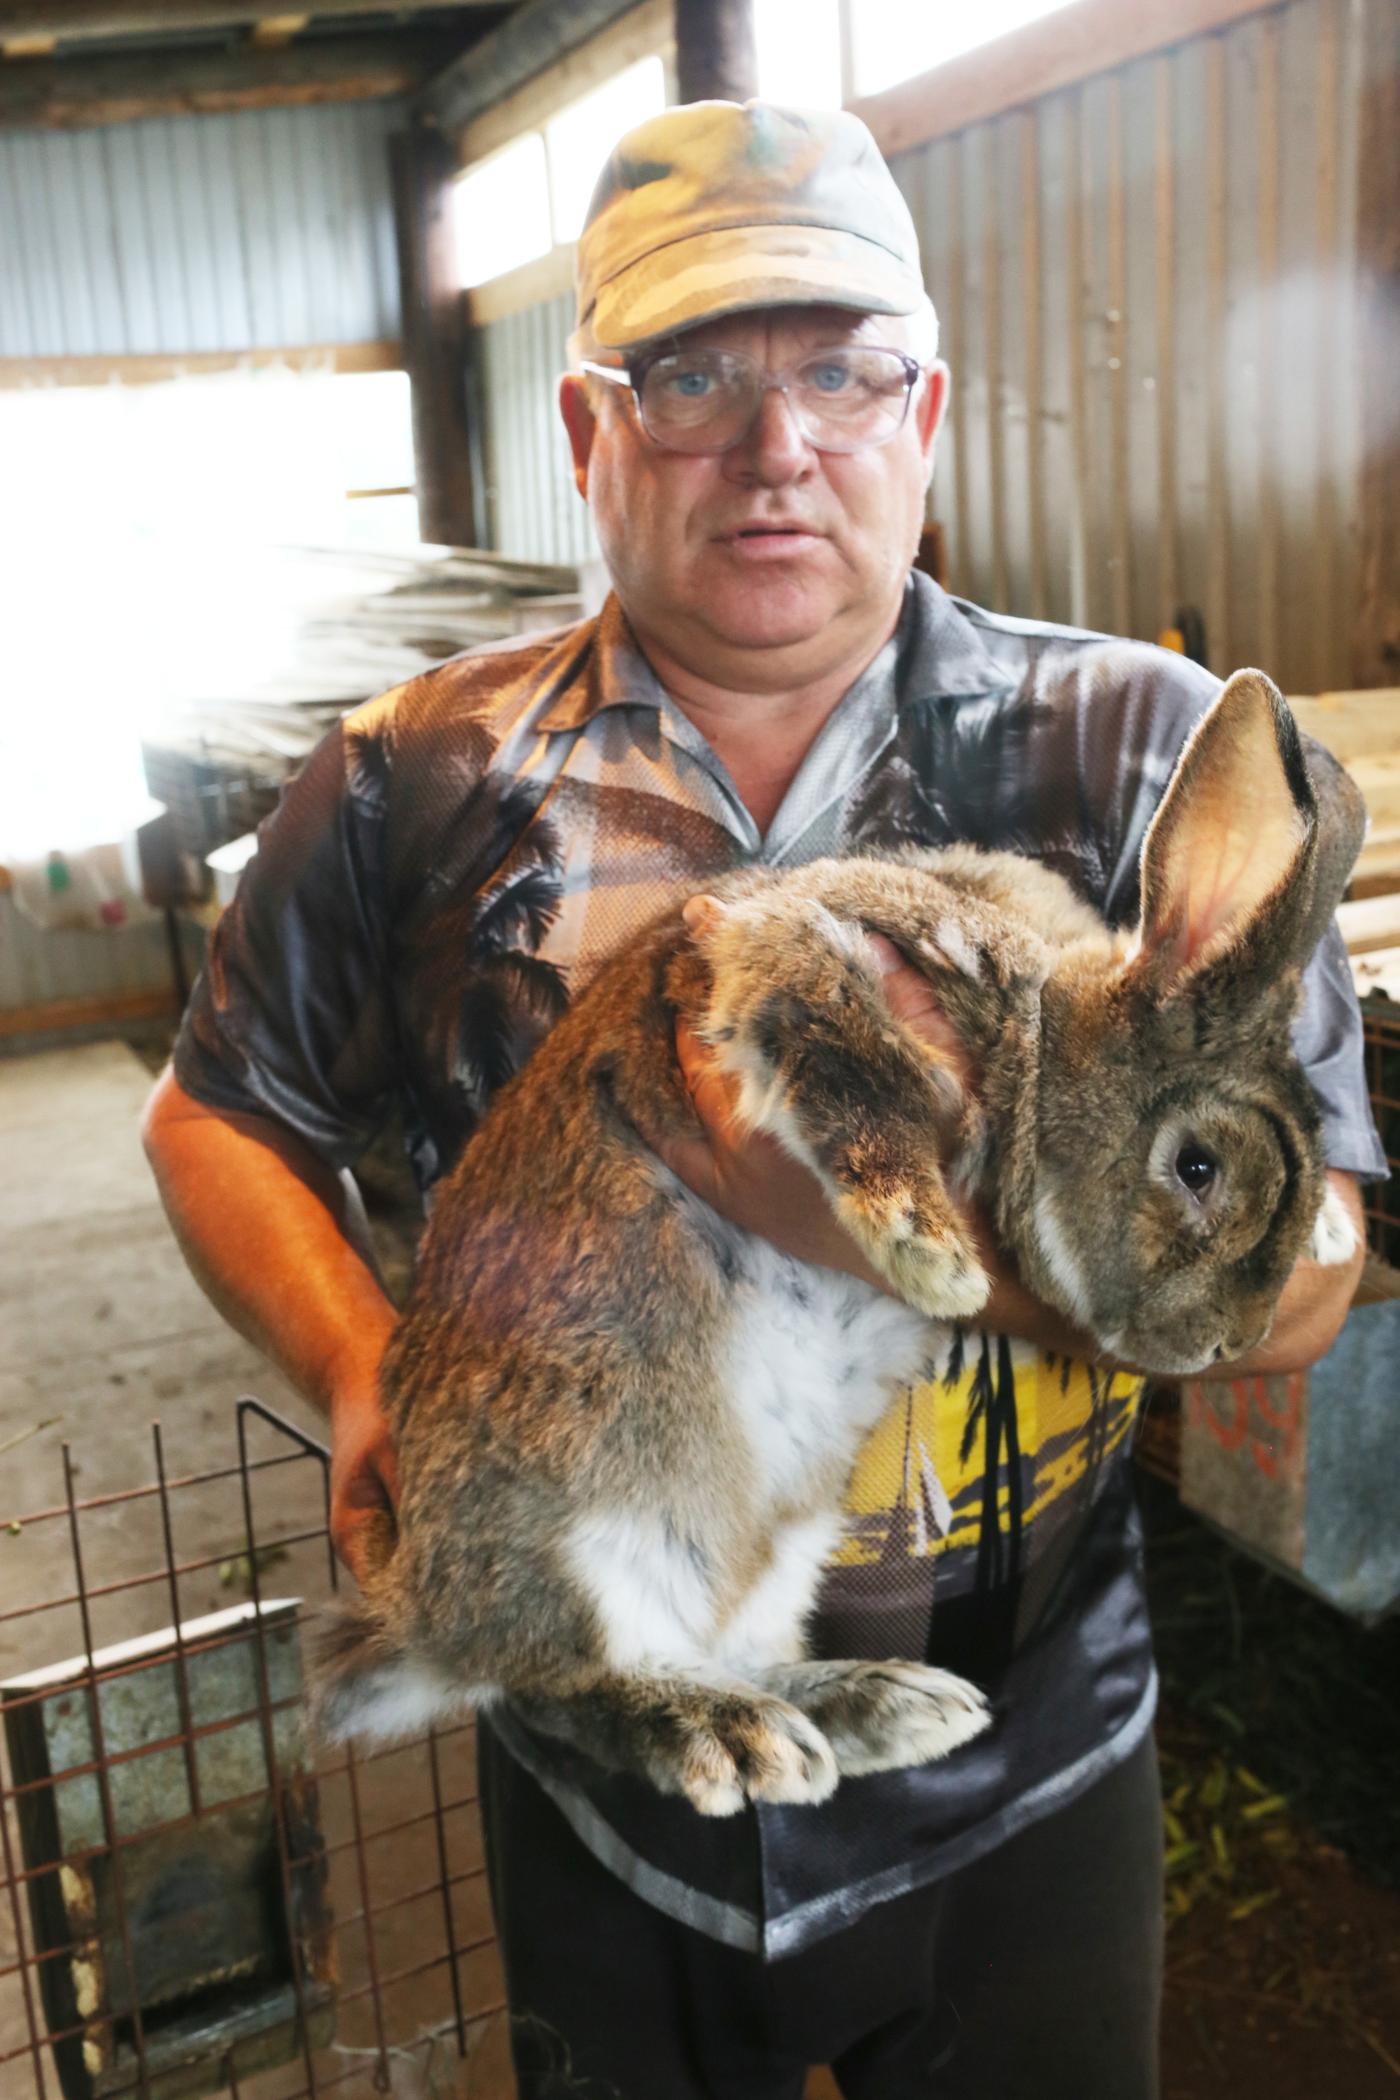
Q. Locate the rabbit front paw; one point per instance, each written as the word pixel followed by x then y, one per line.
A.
pixel 879 1716
pixel 919 1249
pixel 750 1749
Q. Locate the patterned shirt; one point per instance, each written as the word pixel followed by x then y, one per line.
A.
pixel 452 866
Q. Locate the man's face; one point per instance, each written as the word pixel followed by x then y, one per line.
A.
pixel 772 557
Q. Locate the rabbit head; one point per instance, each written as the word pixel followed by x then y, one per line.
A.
pixel 1170 1100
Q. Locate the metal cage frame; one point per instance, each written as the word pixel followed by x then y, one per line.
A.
pixel 375 1986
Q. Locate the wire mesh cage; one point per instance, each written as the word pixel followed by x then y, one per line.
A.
pixel 193 1899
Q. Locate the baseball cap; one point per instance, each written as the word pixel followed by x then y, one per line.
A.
pixel 718 207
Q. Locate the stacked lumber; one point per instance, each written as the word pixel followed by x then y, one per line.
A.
pixel 1362 730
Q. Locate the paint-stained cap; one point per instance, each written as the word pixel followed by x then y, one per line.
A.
pixel 716 208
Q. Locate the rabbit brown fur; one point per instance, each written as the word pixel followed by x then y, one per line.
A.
pixel 624 1425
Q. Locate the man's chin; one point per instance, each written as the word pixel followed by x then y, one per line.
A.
pixel 767 617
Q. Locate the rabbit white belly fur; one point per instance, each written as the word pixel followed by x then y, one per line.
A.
pixel 817 1358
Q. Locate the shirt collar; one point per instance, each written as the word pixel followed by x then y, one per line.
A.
pixel 939 655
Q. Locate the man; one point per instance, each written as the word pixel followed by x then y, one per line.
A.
pixel 753 423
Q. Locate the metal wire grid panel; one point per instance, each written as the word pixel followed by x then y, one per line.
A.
pixel 1381 1022
pixel 361 1874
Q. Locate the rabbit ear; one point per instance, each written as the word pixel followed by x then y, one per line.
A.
pixel 1229 862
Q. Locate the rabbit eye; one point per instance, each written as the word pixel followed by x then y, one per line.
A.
pixel 1195 1169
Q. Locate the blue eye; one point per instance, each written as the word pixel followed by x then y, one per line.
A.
pixel 828 378
pixel 691 385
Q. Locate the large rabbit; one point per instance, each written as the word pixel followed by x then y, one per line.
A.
pixel 624 1425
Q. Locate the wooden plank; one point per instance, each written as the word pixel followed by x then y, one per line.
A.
pixel 1351 725
pixel 1070 45
pixel 641 33
pixel 533 39
pixel 1376 631
pixel 1378 777
pixel 72 93
pixel 1378 971
pixel 109 1007
pixel 518 291
pixel 152 369
pixel 275 30
pixel 1370 923
pixel 76 19
pixel 433 334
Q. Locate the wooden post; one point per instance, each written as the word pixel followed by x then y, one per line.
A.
pixel 1376 633
pixel 715 55
pixel 434 335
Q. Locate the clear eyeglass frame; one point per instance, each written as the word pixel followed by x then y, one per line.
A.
pixel 823 438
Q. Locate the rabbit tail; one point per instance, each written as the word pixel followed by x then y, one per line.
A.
pixel 369 1686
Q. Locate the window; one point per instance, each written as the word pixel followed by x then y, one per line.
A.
pixel 798 47
pixel 580 138
pixel 799 42
pixel 500 211
pixel 194 489
pixel 531 197
pixel 891 41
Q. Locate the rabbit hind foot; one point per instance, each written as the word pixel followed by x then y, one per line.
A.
pixel 718 1746
pixel 879 1716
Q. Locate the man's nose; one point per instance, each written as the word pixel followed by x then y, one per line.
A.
pixel 774 450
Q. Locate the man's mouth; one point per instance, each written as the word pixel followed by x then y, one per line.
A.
pixel 766 538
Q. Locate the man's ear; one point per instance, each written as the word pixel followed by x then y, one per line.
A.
pixel 930 404
pixel 581 424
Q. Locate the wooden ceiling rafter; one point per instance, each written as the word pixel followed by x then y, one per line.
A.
pixel 76 93
pixel 71 21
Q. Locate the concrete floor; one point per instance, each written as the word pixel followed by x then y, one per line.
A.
pixel 102 1332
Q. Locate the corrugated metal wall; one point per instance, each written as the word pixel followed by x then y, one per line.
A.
pixel 1147 291
pixel 533 510
pixel 255 230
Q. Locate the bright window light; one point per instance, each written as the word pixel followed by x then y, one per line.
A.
pixel 798 45
pixel 582 136
pixel 189 486
pixel 892 41
pixel 500 211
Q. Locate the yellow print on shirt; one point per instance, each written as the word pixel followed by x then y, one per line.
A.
pixel 911 1470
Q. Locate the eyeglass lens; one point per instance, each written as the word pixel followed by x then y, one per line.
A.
pixel 706 400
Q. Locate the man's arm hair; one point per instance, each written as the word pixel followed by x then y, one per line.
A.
pixel 279 1243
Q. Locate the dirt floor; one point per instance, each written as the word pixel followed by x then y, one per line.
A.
pixel 1279 1728
pixel 1279 1735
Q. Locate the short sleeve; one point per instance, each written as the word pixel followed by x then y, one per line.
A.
pixel 291 1017
pixel 1327 1038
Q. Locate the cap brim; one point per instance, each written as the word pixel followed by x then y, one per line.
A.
pixel 738 268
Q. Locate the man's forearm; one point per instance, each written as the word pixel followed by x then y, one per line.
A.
pixel 275 1238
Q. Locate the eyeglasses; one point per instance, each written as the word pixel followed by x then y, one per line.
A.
pixel 708 400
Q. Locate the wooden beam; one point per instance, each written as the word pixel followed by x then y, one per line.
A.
pixel 71 19
pixel 18 373
pixel 1072 44
pixel 537 35
pixel 645 31
pixel 1370 923
pixel 434 334
pixel 1376 627
pixel 716 60
pixel 273 31
pixel 108 1009
pixel 74 93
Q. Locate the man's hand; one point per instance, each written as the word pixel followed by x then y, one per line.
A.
pixel 364 1481
pixel 749 1179
pixel 747 1176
